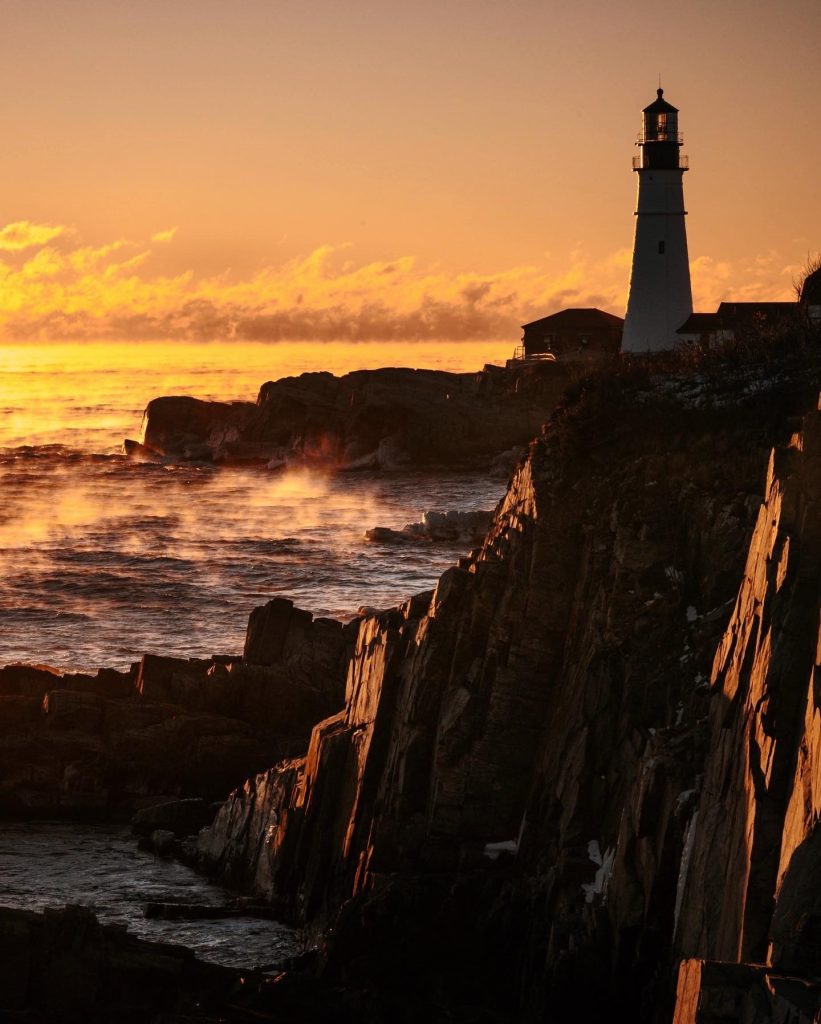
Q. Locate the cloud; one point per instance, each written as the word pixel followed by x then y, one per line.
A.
pixel 762 278
pixel 109 292
pixel 22 234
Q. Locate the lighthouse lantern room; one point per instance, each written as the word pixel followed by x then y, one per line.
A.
pixel 660 299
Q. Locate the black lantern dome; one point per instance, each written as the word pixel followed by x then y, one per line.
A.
pixel 660 139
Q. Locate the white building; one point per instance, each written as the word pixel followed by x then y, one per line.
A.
pixel 660 298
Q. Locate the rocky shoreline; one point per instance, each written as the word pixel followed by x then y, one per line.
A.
pixel 388 419
pixel 102 746
pixel 575 780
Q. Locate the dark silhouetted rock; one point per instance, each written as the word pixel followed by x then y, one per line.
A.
pixel 505 808
pixel 454 527
pixel 180 817
pixel 64 966
pixel 711 992
pixel 384 419
pixel 74 744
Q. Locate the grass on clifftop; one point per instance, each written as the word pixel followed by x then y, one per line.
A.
pixel 697 377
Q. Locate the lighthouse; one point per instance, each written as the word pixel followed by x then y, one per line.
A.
pixel 660 298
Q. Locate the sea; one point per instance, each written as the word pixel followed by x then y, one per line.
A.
pixel 50 864
pixel 103 558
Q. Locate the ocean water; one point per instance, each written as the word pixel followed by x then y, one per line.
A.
pixel 103 558
pixel 51 864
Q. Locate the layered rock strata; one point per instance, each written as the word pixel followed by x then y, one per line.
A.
pixel 751 889
pixel 72 743
pixel 506 805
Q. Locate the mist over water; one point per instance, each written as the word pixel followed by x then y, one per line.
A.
pixel 103 558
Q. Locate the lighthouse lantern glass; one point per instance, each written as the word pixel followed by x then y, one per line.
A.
pixel 661 127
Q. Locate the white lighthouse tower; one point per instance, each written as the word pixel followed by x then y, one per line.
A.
pixel 660 299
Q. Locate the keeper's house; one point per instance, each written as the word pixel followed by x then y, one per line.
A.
pixel 737 319
pixel 572 334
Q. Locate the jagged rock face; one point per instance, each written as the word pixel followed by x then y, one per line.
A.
pixel 371 419
pixel 713 993
pixel 759 683
pixel 435 746
pixel 752 889
pixel 550 699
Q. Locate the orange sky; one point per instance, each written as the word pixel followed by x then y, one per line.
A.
pixel 334 168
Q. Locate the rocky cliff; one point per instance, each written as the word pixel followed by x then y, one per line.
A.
pixel 501 823
pixel 750 884
pixel 369 419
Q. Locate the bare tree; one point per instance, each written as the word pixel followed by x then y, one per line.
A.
pixel 811 264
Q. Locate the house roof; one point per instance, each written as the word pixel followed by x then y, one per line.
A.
pixel 583 319
pixel 660 106
pixel 750 310
pixel 697 323
pixel 741 308
pixel 729 314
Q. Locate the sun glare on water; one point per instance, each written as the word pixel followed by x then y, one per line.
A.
pixel 91 395
pixel 103 558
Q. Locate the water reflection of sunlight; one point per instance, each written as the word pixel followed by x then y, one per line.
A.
pixel 98 391
pixel 102 558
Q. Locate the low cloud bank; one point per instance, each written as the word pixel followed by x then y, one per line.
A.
pixel 52 288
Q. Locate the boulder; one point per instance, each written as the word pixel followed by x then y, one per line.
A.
pixel 504 464
pixel 190 427
pixel 454 527
pixel 29 680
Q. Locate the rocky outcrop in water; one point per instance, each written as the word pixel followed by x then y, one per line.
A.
pixel 455 526
pixel 79 744
pixel 383 419
pixel 502 819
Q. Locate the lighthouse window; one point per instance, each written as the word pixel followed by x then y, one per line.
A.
pixel 661 248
